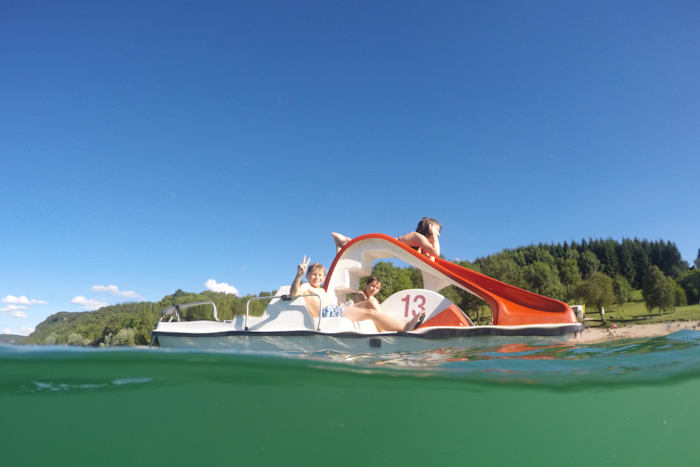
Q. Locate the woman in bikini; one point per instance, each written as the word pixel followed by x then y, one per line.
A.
pixel 426 238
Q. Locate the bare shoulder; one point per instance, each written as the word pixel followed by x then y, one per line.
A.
pixel 305 288
pixel 412 239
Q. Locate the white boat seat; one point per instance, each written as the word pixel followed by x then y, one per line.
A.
pixel 283 315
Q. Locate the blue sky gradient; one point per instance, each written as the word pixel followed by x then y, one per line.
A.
pixel 155 146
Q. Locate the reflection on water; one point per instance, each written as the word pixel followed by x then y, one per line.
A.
pixel 615 361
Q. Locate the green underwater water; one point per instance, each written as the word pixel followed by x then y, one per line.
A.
pixel 628 402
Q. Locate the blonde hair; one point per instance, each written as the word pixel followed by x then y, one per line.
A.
pixel 313 267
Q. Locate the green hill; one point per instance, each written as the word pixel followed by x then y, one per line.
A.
pixel 131 323
pixel 11 339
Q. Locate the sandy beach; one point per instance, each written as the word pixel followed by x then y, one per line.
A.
pixel 592 335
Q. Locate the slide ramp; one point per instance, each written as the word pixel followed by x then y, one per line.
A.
pixel 509 305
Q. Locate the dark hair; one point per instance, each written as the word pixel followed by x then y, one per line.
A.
pixel 371 279
pixel 424 226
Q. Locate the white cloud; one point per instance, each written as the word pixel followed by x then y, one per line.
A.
pixel 12 299
pixel 6 331
pixel 106 288
pixel 113 289
pixel 22 300
pixel 88 303
pixel 15 311
pixel 213 286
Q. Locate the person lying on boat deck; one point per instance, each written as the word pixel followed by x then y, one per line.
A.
pixel 366 309
pixel 426 238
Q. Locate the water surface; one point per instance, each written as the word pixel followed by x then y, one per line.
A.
pixel 625 402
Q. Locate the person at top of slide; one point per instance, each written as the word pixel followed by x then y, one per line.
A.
pixel 425 239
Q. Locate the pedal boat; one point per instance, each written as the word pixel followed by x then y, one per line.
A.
pixel 286 325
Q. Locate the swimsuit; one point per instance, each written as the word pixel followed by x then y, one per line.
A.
pixel 417 248
pixel 333 311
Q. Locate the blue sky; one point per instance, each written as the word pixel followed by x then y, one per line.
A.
pixel 153 146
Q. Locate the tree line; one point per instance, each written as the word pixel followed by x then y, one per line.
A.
pixel 596 272
pixel 132 323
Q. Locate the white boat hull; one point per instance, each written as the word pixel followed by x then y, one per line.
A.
pixel 287 326
pixel 356 342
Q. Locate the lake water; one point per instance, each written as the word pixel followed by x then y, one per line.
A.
pixel 625 402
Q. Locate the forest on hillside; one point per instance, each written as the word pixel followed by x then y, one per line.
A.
pixel 131 323
pixel 595 272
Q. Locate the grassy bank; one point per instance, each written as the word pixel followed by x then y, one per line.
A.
pixel 636 312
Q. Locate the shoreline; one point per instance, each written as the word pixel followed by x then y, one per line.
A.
pixel 632 331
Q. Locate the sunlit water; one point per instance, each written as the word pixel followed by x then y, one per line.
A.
pixel 625 402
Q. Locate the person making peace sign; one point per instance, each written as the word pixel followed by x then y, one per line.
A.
pixel 368 309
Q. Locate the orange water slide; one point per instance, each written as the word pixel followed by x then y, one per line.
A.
pixel 509 305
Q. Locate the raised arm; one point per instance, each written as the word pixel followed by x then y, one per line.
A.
pixel 301 270
pixel 429 245
pixel 434 240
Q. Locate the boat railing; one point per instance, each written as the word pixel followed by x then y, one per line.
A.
pixel 175 310
pixel 286 298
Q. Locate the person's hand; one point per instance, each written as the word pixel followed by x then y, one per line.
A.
pixel 433 234
pixel 301 269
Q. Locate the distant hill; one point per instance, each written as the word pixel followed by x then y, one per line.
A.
pixel 131 323
pixel 11 339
